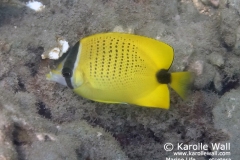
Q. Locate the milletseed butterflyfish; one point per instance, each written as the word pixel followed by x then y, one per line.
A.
pixel 121 68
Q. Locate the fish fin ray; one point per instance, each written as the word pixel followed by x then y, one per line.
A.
pixel 106 101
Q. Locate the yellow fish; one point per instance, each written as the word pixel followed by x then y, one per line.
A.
pixel 121 68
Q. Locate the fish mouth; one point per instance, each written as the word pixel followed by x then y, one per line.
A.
pixel 56 77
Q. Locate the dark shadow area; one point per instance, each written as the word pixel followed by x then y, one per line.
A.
pixel 43 111
pixel 8 12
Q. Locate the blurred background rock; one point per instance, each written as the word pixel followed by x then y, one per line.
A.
pixel 43 120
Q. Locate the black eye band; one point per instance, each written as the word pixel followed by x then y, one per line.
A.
pixel 68 66
pixel 67 72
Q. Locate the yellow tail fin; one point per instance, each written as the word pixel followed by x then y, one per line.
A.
pixel 181 82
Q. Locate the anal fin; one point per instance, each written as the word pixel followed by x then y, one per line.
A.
pixel 158 98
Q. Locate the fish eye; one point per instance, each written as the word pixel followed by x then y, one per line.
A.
pixel 67 72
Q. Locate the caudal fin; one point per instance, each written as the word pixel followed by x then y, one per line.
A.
pixel 181 82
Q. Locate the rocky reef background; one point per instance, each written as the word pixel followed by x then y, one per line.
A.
pixel 40 119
